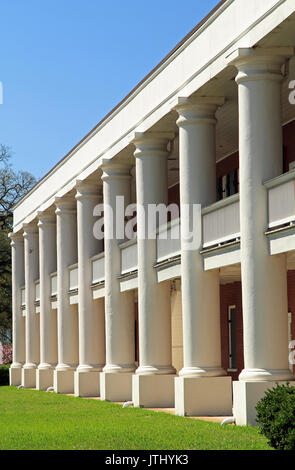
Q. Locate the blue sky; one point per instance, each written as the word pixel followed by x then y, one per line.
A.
pixel 64 64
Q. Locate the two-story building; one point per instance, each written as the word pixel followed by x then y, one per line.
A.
pixel 205 330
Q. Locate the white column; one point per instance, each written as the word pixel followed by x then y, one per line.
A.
pixel 264 277
pixel 200 289
pixel 116 378
pixel 67 315
pixel 48 317
pixel 153 384
pixel 31 249
pixel 18 320
pixel 91 313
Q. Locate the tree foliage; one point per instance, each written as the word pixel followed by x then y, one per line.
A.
pixel 13 186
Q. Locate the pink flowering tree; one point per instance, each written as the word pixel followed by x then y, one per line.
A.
pixel 6 353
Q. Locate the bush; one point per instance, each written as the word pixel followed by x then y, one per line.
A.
pixel 276 416
pixel 4 374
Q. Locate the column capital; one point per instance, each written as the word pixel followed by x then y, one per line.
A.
pixel 16 238
pixel 115 170
pixel 198 109
pixel 87 189
pixel 65 205
pixel 260 63
pixel 30 229
pixel 46 218
pixel 149 143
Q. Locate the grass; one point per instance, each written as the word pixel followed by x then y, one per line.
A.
pixel 39 420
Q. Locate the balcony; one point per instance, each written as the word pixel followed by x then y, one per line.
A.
pixel 73 288
pixel 168 251
pixel 98 276
pixel 281 213
pixel 129 262
pixel 53 290
pixel 221 233
pixel 37 296
pixel 221 222
pixel 23 300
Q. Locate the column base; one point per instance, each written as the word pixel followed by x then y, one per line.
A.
pixel 203 396
pixel 246 396
pixel 153 391
pixel 44 378
pixel 116 387
pixel 63 381
pixel 15 376
pixel 87 383
pixel 29 378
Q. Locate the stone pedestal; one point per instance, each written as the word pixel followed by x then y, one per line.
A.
pixel 63 381
pixel 246 396
pixel 116 387
pixel 153 391
pixel 15 376
pixel 87 384
pixel 205 396
pixel 44 378
pixel 29 377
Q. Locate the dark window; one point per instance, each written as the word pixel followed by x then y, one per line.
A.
pixel 232 337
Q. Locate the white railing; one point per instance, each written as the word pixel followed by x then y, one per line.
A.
pixel 168 241
pixel 23 296
pixel 129 259
pixel 281 199
pixel 73 276
pixel 98 268
pixel 37 291
pixel 53 284
pixel 221 221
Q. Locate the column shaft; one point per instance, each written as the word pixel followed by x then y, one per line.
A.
pixel 31 249
pixel 91 313
pixel 264 277
pixel 18 321
pixel 67 317
pixel 200 289
pixel 119 307
pixel 154 309
pixel 200 389
pixel 48 317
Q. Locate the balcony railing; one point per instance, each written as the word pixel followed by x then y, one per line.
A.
pixel 98 268
pixel 23 296
pixel 37 291
pixel 129 256
pixel 73 277
pixel 168 241
pixel 53 284
pixel 221 222
pixel 281 200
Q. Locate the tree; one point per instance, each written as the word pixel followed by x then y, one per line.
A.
pixel 13 186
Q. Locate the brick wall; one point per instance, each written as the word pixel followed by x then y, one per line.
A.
pixel 231 294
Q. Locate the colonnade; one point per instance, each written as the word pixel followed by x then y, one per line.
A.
pixel 90 350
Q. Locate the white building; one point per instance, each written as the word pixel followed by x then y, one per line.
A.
pixel 148 321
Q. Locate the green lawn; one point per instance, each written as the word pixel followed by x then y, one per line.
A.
pixel 39 420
